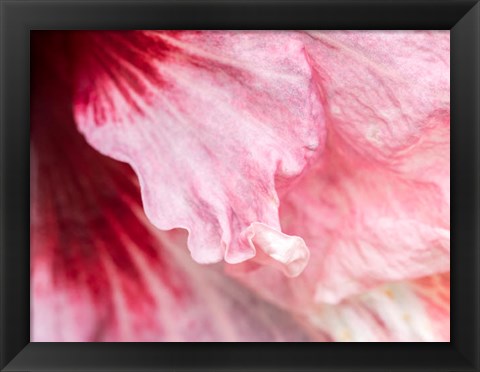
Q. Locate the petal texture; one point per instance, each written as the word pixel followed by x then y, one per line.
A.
pixel 375 206
pixel 382 189
pixel 213 123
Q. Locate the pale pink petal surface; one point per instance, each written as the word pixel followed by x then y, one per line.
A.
pixel 211 122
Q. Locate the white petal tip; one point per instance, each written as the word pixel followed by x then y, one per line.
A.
pixel 287 253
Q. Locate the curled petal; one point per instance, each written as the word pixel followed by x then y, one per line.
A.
pixel 100 271
pixel 289 253
pixel 213 123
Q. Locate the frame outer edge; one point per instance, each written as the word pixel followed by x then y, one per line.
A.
pixel 14 208
pixel 466 167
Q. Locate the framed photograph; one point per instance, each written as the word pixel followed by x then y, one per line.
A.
pixel 238 185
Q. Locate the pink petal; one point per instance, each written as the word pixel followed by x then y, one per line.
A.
pixel 375 207
pixel 367 224
pixel 99 270
pixel 212 123
pixel 382 90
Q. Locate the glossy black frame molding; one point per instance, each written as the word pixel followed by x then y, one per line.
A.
pixel 18 17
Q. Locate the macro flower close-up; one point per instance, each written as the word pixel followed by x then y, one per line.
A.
pixel 240 186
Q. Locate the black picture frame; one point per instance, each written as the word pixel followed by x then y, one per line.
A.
pixel 18 17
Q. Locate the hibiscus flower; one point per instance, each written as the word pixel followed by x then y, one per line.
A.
pixel 240 186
